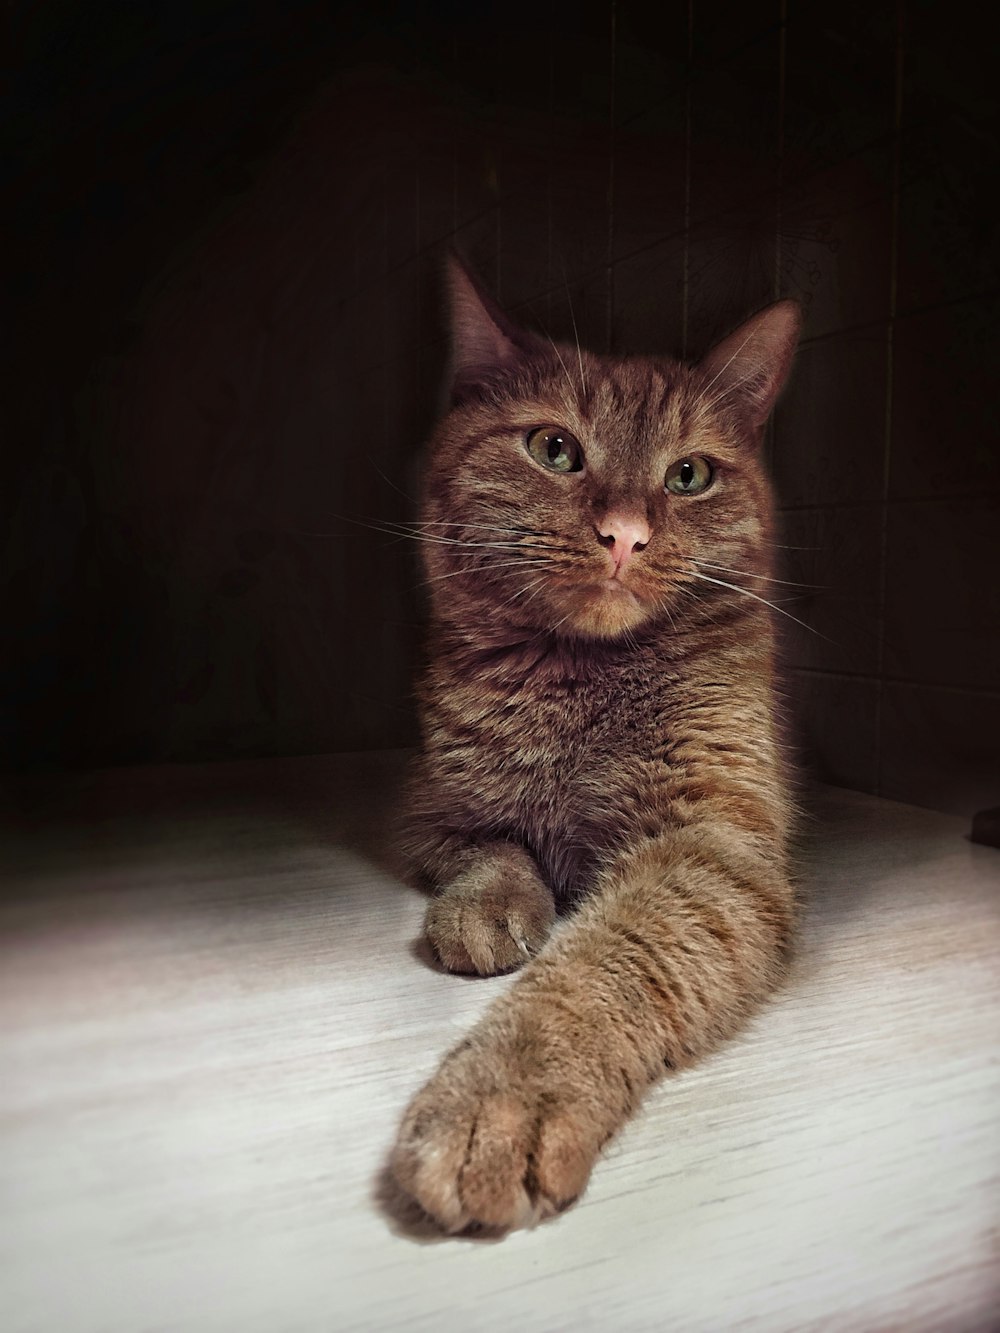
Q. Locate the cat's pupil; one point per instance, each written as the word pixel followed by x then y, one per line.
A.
pixel 555 447
pixel 687 474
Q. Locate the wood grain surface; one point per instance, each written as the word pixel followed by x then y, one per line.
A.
pixel 214 1007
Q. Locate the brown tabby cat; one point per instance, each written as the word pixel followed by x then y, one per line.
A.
pixel 599 731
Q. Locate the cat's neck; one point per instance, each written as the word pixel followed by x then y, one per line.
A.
pixel 508 653
pixel 504 651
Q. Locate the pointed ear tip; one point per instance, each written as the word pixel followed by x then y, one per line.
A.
pixel 453 266
pixel 791 310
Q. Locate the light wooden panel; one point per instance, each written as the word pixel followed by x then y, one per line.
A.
pixel 214 1011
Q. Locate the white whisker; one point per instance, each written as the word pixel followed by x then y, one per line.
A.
pixel 722 369
pixel 728 569
pixel 576 339
pixel 491 565
pixel 390 482
pixel 401 532
pixel 745 592
pixel 489 527
pixel 555 349
pixel 536 587
pixel 731 388
pixel 532 583
pixel 559 622
pixel 783 546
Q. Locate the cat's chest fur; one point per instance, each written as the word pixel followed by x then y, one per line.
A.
pixel 552 750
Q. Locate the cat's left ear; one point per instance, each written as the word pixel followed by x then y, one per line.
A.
pixel 750 366
pixel 484 342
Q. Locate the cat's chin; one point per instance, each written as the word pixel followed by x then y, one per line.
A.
pixel 608 611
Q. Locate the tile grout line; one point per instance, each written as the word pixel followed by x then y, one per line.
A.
pixel 897 153
pixel 687 178
pixel 454 147
pixel 779 184
pixel 499 220
pixel 900 501
pixel 978 293
pixel 710 66
pixel 610 299
pixel 818 339
pixel 549 162
pixel 770 442
pixel 907 682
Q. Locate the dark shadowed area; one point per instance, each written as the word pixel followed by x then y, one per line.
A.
pixel 227 231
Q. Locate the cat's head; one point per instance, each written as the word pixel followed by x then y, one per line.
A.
pixel 591 495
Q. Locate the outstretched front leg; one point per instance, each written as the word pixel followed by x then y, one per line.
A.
pixel 684 935
pixel 492 911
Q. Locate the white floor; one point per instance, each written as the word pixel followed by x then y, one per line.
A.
pixel 214 1010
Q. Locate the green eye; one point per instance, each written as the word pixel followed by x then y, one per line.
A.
pixel 555 449
pixel 689 476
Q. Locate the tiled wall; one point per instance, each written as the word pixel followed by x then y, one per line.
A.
pixel 661 174
pixel 645 175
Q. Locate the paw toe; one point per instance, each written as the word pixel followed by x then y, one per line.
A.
pixel 426 1162
pixel 489 930
pixel 493 1180
pixel 563 1158
pixel 467 1160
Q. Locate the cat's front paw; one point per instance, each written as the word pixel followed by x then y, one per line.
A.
pixel 491 919
pixel 483 1146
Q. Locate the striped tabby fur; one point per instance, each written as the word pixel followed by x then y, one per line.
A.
pixel 600 741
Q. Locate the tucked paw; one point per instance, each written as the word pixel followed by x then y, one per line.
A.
pixel 476 1149
pixel 492 918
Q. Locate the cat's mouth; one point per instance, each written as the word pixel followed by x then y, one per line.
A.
pixel 614 587
pixel 607 608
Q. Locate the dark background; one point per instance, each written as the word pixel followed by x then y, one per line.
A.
pixel 226 225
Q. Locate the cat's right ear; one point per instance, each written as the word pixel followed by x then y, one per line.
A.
pixel 750 366
pixel 483 341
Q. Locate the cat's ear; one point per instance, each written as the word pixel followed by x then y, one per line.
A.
pixel 750 366
pixel 483 340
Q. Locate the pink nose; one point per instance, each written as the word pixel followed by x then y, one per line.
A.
pixel 623 535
